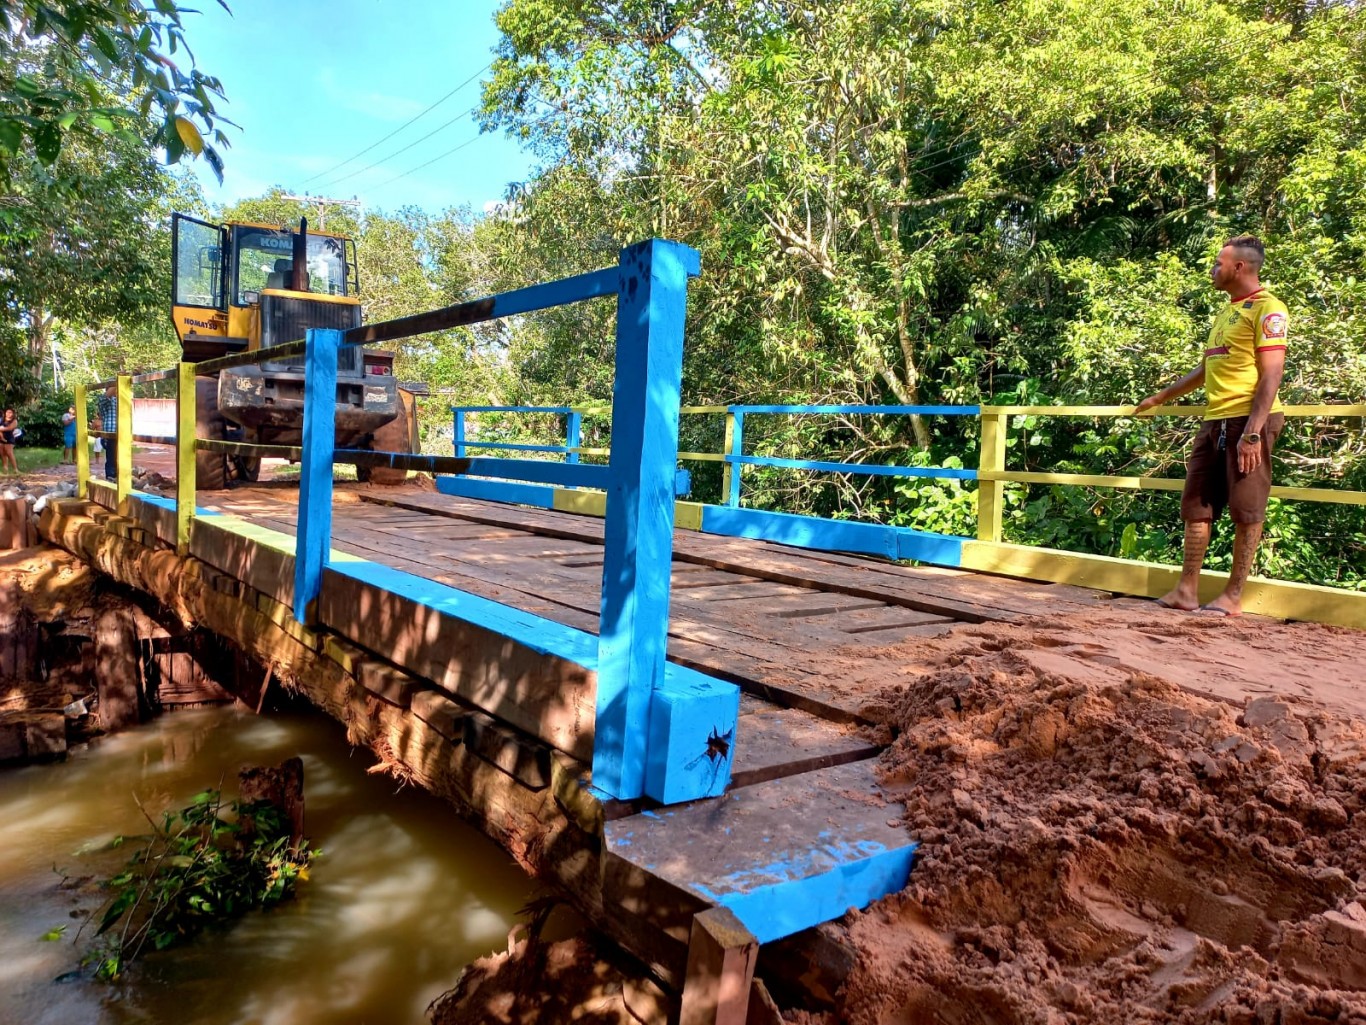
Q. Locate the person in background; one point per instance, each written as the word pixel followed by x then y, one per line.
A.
pixel 69 436
pixel 107 409
pixel 9 428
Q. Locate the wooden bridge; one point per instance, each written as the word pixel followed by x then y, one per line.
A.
pixel 668 722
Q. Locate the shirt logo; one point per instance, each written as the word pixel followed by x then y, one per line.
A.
pixel 1273 325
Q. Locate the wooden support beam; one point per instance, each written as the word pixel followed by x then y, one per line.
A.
pixel 515 754
pixel 651 304
pixel 720 972
pixel 186 421
pixel 82 442
pixel 118 675
pixel 315 474
pixel 990 491
pixel 124 441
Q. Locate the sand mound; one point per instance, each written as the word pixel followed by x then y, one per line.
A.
pixel 1100 844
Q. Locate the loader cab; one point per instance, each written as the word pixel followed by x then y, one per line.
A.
pixel 265 260
pixel 222 273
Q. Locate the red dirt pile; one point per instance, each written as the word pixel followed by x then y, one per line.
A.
pixel 1100 844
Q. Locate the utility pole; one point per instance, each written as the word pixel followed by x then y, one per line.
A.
pixel 322 203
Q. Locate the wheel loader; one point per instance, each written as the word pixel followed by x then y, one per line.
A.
pixel 243 287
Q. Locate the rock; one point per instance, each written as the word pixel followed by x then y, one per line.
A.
pixel 1263 711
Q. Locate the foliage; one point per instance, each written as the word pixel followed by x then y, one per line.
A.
pixel 18 368
pixel 205 864
pixel 904 200
pixel 32 460
pixel 60 60
pixel 85 252
pixel 42 419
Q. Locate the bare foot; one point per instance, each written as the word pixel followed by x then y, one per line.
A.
pixel 1178 599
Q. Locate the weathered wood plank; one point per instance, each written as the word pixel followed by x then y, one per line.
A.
pixel 776 742
pixel 548 697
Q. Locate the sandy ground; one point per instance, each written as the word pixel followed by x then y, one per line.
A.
pixel 1125 816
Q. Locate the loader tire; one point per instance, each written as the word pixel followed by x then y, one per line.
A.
pixel 210 468
pixel 398 435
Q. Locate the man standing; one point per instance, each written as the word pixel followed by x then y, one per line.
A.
pixel 1230 460
pixel 107 409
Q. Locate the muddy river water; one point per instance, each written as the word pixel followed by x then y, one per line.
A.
pixel 403 896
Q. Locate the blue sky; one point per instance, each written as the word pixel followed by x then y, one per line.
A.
pixel 313 82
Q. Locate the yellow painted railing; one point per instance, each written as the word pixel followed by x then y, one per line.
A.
pixel 992 474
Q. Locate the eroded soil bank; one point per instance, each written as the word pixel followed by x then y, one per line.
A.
pixel 1100 844
pixel 1126 816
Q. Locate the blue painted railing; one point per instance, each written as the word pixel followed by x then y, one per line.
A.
pixel 644 708
pixel 654 722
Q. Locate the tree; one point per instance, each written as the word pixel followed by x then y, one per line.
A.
pixel 85 244
pixel 103 66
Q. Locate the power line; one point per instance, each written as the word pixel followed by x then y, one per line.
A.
pixel 415 117
pixel 442 156
pixel 405 149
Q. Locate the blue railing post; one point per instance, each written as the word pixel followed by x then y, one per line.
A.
pixel 459 434
pixel 573 435
pixel 314 535
pixel 735 446
pixel 651 304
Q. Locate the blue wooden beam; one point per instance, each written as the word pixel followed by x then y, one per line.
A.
pixel 866 469
pixel 894 410
pixel 573 434
pixel 834 535
pixel 541 496
pixel 693 720
pixel 315 472
pixel 638 534
pixel 734 465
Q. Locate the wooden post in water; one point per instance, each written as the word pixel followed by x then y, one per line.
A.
pixel 638 533
pixel 184 456
pixel 313 537
pixel 721 956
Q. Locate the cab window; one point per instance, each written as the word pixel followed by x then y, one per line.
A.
pixel 265 259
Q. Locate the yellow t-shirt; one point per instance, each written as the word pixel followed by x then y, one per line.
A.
pixel 1251 324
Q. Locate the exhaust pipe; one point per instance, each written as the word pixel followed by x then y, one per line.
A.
pixel 299 283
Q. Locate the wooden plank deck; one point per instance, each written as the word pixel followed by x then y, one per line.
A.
pixel 800 629
pixel 480 620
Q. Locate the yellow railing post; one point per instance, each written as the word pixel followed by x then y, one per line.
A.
pixel 82 442
pixel 728 448
pixel 184 456
pixel 991 493
pixel 124 440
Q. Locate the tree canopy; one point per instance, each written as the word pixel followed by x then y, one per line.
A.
pixel 104 66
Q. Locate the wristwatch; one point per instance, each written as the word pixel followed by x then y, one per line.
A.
pixel 1252 437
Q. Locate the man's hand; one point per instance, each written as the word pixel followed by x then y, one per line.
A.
pixel 1249 455
pixel 1148 403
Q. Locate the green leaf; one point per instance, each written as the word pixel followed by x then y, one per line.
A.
pixel 47 142
pixel 11 135
pixel 52 935
pixel 115 911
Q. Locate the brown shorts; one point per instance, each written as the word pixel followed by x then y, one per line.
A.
pixel 1213 480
